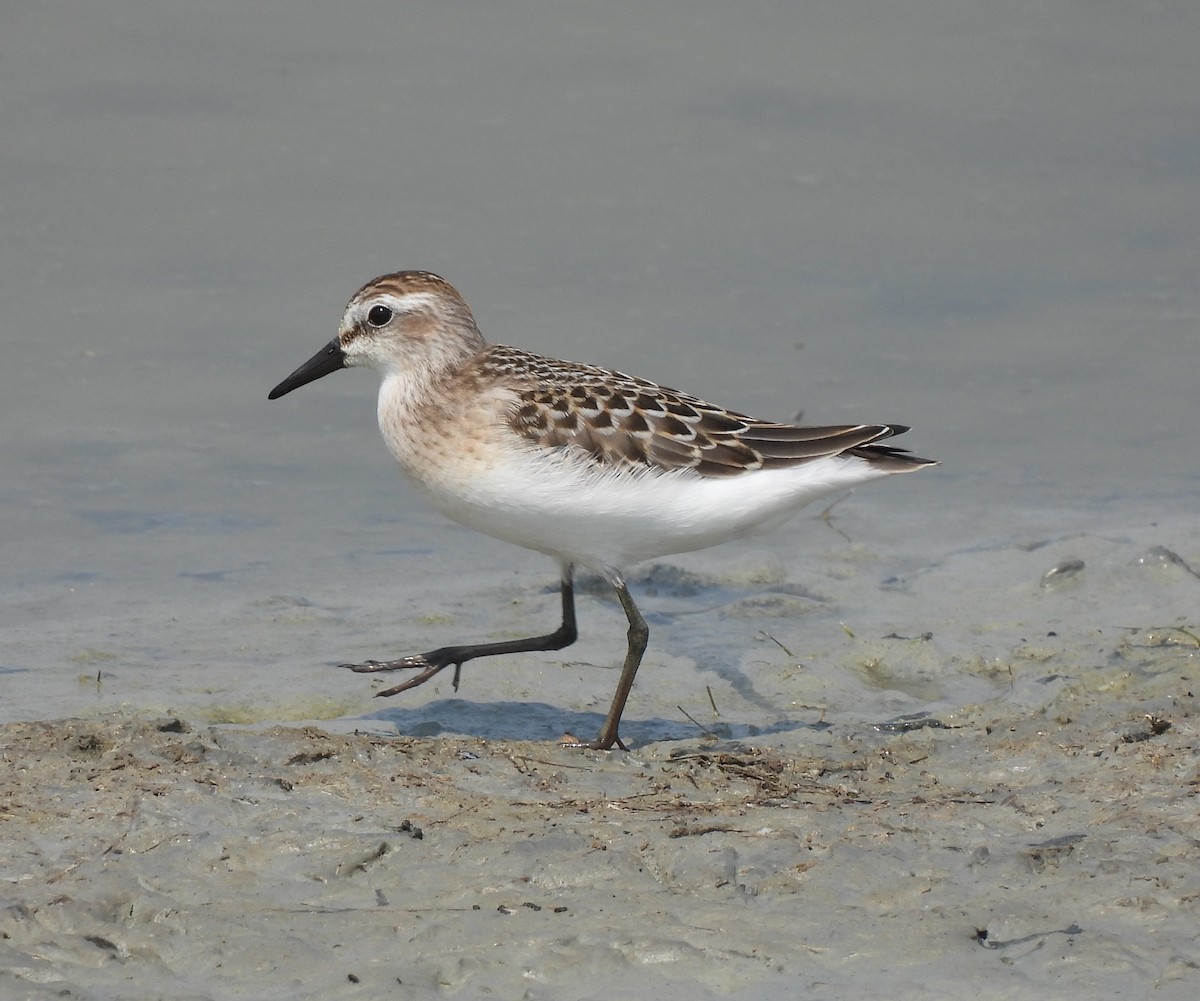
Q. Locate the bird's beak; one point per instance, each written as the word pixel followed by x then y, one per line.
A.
pixel 329 359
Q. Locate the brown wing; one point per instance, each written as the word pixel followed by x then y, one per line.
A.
pixel 621 420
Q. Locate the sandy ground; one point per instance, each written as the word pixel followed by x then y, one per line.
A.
pixel 147 858
pixel 1004 804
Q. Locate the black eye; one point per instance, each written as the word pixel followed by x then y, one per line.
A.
pixel 380 316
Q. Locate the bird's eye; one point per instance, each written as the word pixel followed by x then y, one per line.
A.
pixel 379 316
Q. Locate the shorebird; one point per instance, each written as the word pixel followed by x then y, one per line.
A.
pixel 592 467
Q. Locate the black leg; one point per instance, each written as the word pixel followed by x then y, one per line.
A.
pixel 638 635
pixel 431 663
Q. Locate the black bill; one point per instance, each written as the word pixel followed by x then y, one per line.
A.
pixel 329 359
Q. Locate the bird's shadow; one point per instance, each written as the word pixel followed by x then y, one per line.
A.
pixel 534 721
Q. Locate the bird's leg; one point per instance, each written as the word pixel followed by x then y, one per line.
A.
pixel 431 663
pixel 638 635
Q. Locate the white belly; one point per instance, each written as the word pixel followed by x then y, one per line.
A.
pixel 610 518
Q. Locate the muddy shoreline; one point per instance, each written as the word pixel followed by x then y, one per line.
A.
pixel 1035 855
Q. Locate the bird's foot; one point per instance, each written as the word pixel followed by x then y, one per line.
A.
pixel 599 744
pixel 428 664
pixel 419 661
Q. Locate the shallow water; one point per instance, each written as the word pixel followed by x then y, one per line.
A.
pixel 978 221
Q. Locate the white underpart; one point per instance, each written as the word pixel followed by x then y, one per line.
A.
pixel 560 503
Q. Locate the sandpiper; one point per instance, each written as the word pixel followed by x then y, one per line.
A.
pixel 587 465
